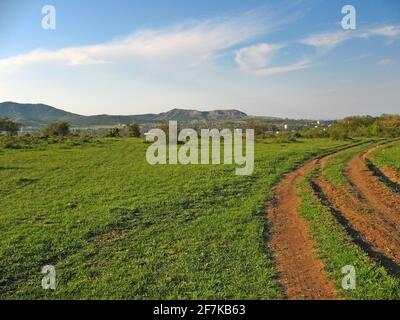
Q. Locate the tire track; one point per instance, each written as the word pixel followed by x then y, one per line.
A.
pixel 370 188
pixel 367 208
pixel 301 273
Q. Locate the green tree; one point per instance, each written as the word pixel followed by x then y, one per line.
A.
pixel 113 133
pixel 9 126
pixel 133 130
pixel 56 129
pixel 338 132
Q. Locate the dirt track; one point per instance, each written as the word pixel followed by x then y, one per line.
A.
pixel 369 211
pixel 302 274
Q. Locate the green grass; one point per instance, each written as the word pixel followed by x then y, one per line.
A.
pixel 116 227
pixel 335 167
pixel 337 250
pixel 388 156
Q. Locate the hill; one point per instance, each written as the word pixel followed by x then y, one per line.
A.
pixel 36 115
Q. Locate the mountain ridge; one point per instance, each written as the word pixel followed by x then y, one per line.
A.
pixel 36 115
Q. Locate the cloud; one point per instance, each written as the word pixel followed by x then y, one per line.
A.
pixel 385 62
pixel 256 60
pixel 188 43
pixel 330 40
pixel 386 31
pixel 304 64
pixel 327 40
pixel 256 56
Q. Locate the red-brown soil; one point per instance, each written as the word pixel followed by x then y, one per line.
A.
pixel 302 274
pixel 369 208
pixel 369 211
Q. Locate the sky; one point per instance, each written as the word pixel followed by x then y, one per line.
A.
pixel 272 58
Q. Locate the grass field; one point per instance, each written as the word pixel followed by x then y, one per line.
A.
pixel 116 227
pixel 388 156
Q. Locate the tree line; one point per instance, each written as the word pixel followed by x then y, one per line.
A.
pixel 354 126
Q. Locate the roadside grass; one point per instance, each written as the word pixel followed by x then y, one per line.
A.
pixel 116 227
pixel 336 248
pixel 335 167
pixel 388 156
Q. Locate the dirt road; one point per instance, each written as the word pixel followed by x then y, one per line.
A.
pixel 369 211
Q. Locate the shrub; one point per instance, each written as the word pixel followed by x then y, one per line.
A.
pixel 113 133
pixel 314 133
pixel 133 130
pixel 9 126
pixel 56 129
pixel 338 133
pixel 285 137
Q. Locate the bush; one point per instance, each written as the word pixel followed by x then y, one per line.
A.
pixel 9 126
pixel 285 137
pixel 113 133
pixel 56 129
pixel 314 133
pixel 133 130
pixel 338 133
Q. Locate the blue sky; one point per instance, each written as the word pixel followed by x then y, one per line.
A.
pixel 279 58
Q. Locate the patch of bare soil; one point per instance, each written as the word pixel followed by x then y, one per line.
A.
pixel 302 273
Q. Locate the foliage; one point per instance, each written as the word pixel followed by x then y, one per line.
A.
pixel 113 133
pixel 286 137
pixel 133 130
pixel 9 126
pixel 56 129
pixel 366 126
pixel 315 133
pixel 260 128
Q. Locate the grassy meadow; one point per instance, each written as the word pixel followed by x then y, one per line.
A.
pixel 388 156
pixel 116 227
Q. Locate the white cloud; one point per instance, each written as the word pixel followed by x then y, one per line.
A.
pixel 386 31
pixel 327 40
pixel 256 56
pixel 330 40
pixel 189 43
pixel 268 71
pixel 256 60
pixel 385 62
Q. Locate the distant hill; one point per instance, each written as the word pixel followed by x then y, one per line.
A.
pixel 36 115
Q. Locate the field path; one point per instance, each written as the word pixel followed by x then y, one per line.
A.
pixel 302 274
pixel 379 197
pixel 368 210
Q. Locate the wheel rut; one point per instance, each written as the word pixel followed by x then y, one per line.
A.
pixel 368 210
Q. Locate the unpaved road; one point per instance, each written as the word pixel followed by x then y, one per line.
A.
pixel 302 274
pixel 369 211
